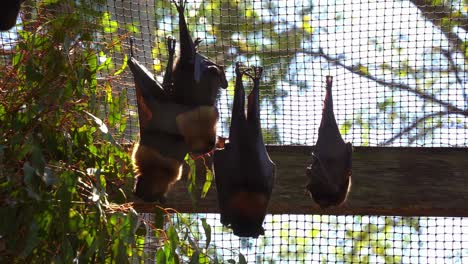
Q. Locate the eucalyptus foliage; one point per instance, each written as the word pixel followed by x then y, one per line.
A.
pixel 64 179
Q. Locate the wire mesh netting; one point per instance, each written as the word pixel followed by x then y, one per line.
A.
pixel 399 66
pixel 342 239
pixel 400 73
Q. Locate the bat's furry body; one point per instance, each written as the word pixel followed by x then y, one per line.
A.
pixel 176 117
pixel 244 172
pixel 195 82
pixel 158 165
pixel 160 152
pixel 330 172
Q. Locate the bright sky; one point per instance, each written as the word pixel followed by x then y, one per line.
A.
pixel 367 34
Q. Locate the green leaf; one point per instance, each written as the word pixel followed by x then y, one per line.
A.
pixel 208 180
pixel 133 28
pixel 203 259
pixel 31 180
pixel 242 259
pixel 363 69
pixel 32 239
pixel 159 215
pixel 194 259
pixel 314 233
pixel 207 230
pixel 306 24
pixel 161 256
pixel 123 67
pixel 346 127
pixel 48 2
pixel 173 236
pixel 110 26
pixel 98 122
pixel 191 174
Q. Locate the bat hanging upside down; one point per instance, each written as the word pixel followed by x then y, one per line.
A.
pixel 244 172
pixel 195 82
pixel 160 152
pixel 330 172
pixel 176 117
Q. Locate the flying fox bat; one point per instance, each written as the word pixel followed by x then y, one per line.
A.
pixel 330 171
pixel 160 152
pixel 243 169
pixel 195 82
pixel 8 13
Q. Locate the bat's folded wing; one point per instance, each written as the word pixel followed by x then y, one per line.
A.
pixel 156 112
pixel 144 80
pixel 226 167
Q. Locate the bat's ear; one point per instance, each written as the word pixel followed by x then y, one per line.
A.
pixel 219 71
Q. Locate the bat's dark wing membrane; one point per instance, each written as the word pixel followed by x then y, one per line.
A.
pixel 330 172
pixel 263 173
pixel 155 110
pixel 150 88
pixel 226 166
pixel 202 64
pixel 227 162
pixel 147 90
pixel 244 171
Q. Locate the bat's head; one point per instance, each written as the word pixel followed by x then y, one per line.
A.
pixel 198 127
pixel 155 174
pixel 9 13
pixel 245 213
pixel 330 179
pixel 211 80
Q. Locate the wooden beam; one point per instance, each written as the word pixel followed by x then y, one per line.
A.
pixel 386 181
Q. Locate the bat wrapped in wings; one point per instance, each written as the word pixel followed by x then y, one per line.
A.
pixel 330 172
pixel 244 172
pixel 160 152
pixel 176 117
pixel 196 82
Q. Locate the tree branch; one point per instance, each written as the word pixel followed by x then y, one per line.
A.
pixel 448 54
pixel 413 126
pixel 438 14
pixel 429 97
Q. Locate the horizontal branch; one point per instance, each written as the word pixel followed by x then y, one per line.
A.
pixel 412 126
pixel 450 108
pixel 386 181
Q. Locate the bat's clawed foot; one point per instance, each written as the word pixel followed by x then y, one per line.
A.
pixel 258 72
pixel 256 75
pixel 241 70
pixel 171 44
pixel 197 42
pixel 180 5
pixel 238 65
pixel 329 81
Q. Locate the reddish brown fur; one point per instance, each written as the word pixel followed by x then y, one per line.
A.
pixel 155 174
pixel 198 127
pixel 251 206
